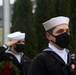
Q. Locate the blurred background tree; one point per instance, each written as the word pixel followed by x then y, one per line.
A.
pixel 23 20
pixel 31 23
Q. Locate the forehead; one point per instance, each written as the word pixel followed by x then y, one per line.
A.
pixel 61 26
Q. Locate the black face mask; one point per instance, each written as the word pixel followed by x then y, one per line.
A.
pixel 62 40
pixel 19 48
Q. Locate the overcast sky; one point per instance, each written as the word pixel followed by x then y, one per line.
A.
pixel 1 2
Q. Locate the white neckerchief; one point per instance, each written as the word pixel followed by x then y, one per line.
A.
pixel 61 53
pixel 18 56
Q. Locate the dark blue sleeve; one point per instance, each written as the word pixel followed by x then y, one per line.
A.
pixel 2 50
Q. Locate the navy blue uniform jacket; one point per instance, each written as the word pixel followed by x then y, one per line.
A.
pixel 49 63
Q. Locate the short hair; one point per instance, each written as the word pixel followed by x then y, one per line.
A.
pixel 50 31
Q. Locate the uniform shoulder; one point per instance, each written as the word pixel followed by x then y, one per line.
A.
pixel 26 58
pixel 40 55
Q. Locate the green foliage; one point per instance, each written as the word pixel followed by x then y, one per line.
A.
pixel 71 45
pixel 73 13
pixel 22 20
pixel 39 19
pixel 7 68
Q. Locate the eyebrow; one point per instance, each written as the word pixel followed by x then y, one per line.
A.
pixel 62 30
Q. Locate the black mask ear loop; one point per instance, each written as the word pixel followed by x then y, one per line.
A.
pixel 53 36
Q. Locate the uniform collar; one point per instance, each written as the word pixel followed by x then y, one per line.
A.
pixel 9 51
pixel 54 49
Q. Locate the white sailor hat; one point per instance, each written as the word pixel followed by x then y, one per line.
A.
pixel 55 21
pixel 16 35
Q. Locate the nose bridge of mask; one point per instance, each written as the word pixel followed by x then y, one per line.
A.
pixel 63 35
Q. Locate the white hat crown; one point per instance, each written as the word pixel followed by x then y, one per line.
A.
pixel 55 21
pixel 16 35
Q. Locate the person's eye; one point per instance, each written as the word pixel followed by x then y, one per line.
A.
pixel 60 31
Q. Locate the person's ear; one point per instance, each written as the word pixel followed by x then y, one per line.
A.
pixel 48 36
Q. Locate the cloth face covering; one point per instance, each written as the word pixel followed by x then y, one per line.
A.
pixel 19 47
pixel 62 40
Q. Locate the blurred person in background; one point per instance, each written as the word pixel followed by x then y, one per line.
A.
pixel 13 51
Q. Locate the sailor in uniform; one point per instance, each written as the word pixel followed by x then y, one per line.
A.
pixel 13 51
pixel 55 59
